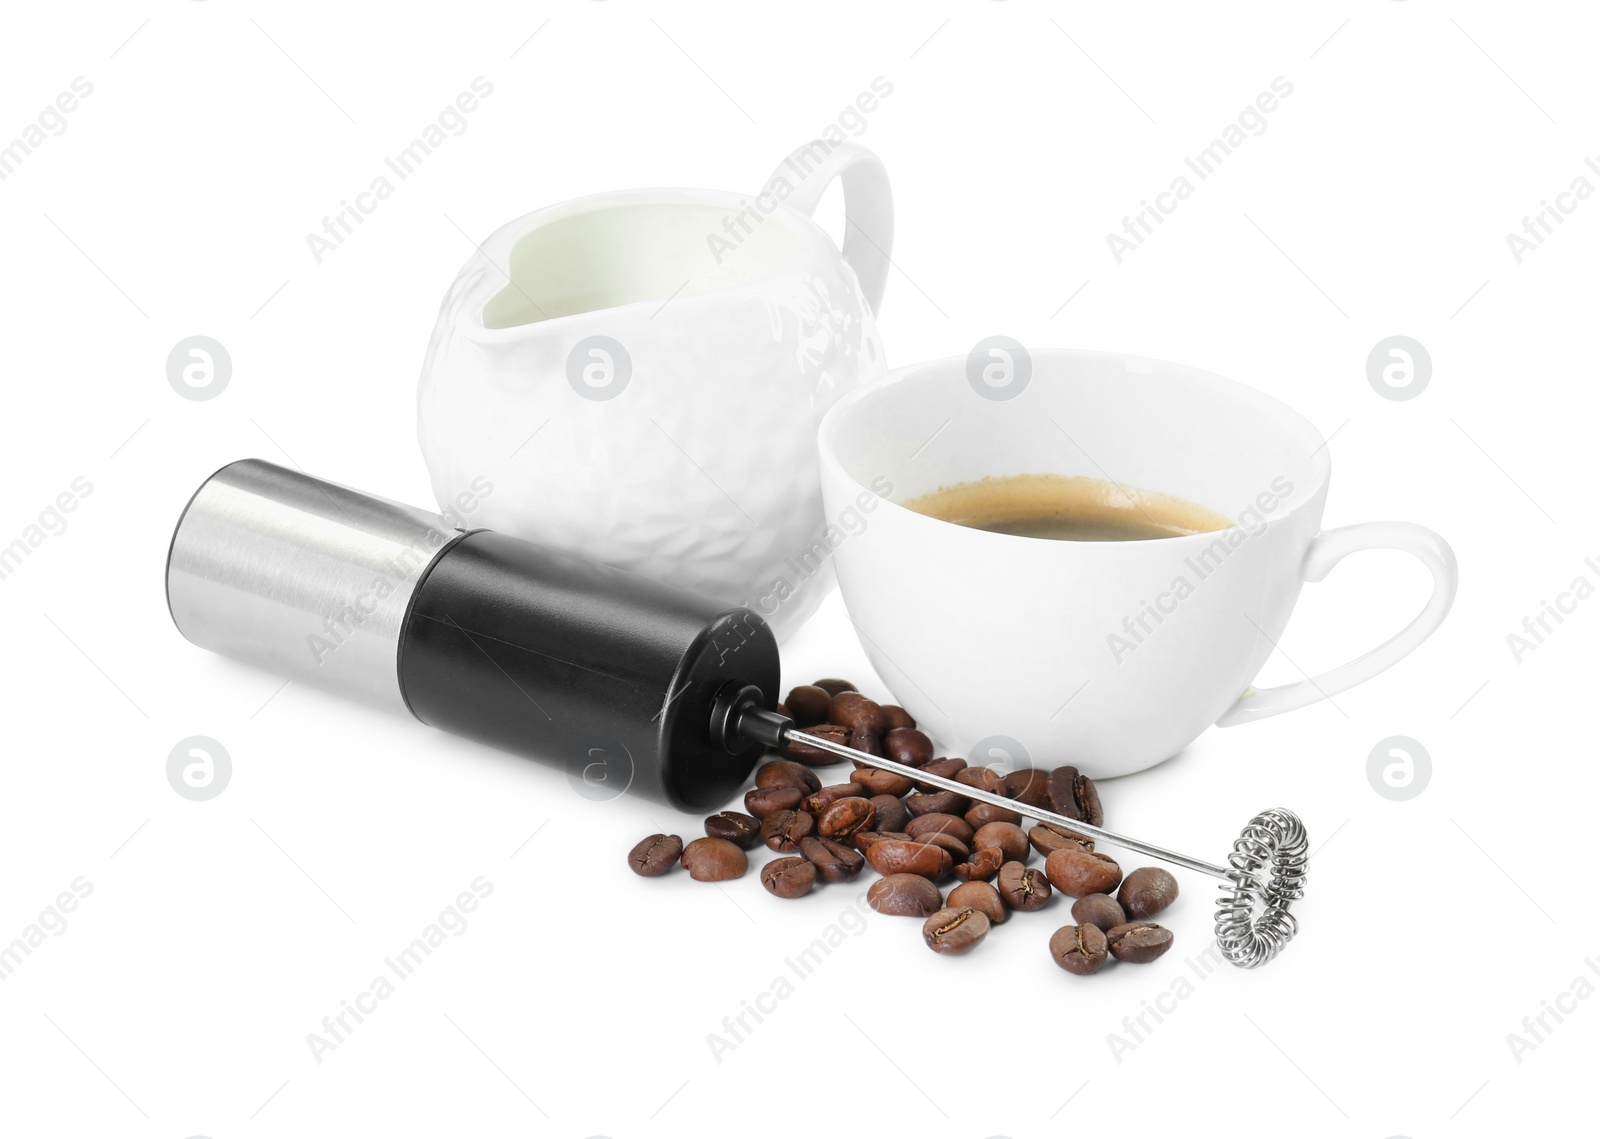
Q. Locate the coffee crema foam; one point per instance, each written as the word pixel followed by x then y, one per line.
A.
pixel 1067 508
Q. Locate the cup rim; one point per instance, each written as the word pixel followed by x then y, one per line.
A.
pixel 830 462
pixel 469 317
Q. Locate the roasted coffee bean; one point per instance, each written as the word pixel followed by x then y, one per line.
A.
pixel 982 897
pixel 764 800
pixel 783 830
pixel 954 932
pixel 865 839
pixel 938 803
pixel 1063 792
pixel 743 830
pixel 1028 785
pixel 1146 892
pixel 904 895
pixel 980 815
pixel 1080 872
pixel 856 712
pixel 1048 839
pixel 892 856
pixel 834 861
pixel 714 860
pixel 880 782
pixel 983 778
pixel 949 824
pixel 1074 796
pixel 789 877
pixel 782 709
pixel 959 851
pixel 833 686
pixel 898 717
pixel 846 817
pixel 786 773
pixel 1022 887
pixel 981 866
pixel 869 742
pixel 1009 837
pixel 808 705
pixel 801 752
pixel 1079 949
pixel 819 801
pixel 949 768
pixel 1099 910
pixel 908 746
pixel 1138 942
pixel 655 855
pixel 1089 802
pixel 892 813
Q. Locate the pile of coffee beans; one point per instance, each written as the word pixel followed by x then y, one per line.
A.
pixel 917 836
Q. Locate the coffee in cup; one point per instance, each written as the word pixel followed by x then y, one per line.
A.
pixel 1067 508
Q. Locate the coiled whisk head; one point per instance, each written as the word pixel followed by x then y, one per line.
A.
pixel 1274 839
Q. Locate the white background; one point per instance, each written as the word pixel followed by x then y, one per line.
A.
pixel 579 1000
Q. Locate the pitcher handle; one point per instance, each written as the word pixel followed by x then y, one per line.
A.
pixel 868 205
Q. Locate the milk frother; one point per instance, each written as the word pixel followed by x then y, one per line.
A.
pixel 622 680
pixel 506 642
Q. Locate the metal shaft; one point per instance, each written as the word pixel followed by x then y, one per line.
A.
pixel 1077 826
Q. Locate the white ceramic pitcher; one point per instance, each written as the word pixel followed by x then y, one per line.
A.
pixel 639 375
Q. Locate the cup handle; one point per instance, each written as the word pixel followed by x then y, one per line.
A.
pixel 1328 549
pixel 868 205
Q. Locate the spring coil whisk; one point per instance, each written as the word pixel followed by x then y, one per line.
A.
pixel 1276 839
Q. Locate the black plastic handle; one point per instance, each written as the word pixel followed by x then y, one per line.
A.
pixel 606 673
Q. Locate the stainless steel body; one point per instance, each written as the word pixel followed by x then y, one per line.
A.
pixel 304 577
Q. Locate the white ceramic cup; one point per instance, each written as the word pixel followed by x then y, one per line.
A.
pixel 1108 655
